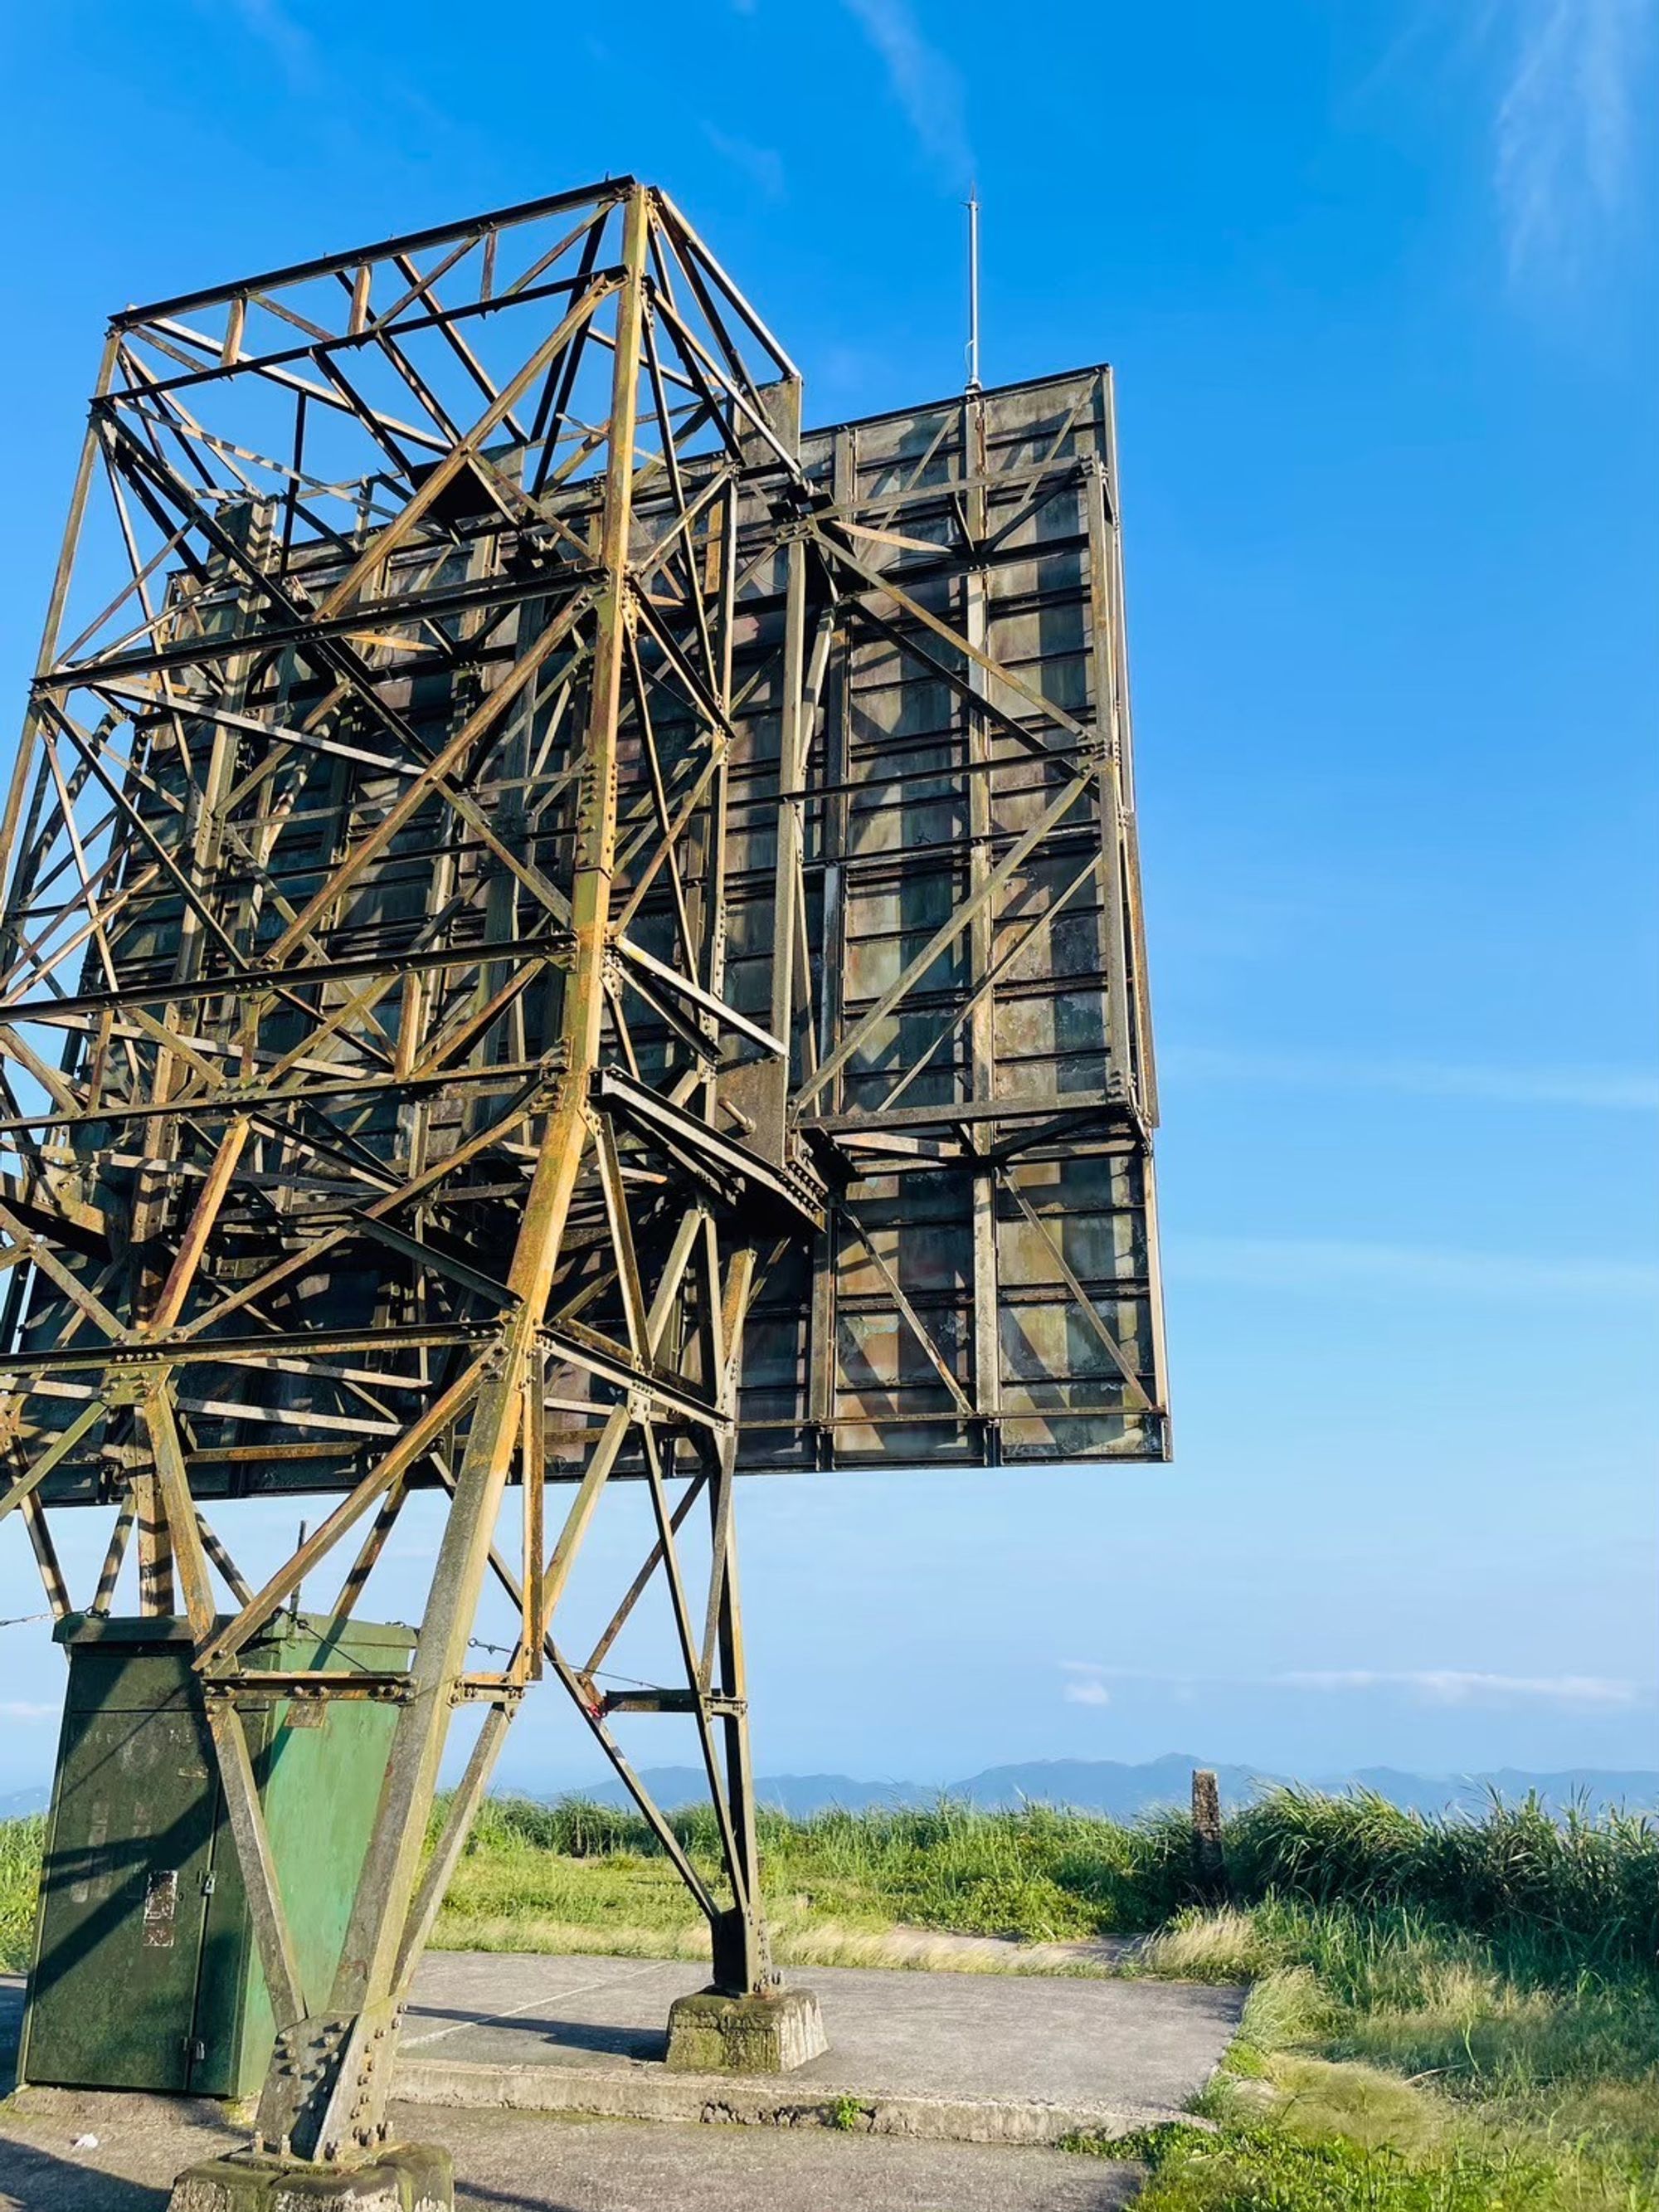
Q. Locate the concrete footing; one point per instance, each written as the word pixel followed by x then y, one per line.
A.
pixel 404 2178
pixel 712 2032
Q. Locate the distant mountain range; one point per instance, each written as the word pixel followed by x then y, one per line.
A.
pixel 1106 1785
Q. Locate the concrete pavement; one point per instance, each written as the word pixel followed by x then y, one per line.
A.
pixel 549 2070
pixel 515 2162
pixel 973 2057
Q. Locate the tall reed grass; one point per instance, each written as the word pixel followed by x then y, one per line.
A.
pixel 1556 1896
pixel 1576 1888
pixel 1572 1894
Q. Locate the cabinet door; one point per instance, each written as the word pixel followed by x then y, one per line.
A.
pixel 112 1998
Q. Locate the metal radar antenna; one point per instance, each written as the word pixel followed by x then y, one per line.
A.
pixel 973 288
pixel 568 937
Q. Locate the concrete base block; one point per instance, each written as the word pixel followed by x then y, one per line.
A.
pixel 404 2178
pixel 711 2033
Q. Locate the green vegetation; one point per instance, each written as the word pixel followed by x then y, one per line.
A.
pixel 580 1876
pixel 1391 2060
pixel 1444 2016
pixel 536 1875
pixel 1587 1887
pixel 1271 2169
pixel 21 1844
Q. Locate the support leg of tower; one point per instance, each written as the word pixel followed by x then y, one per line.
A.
pixel 398 2178
pixel 712 2032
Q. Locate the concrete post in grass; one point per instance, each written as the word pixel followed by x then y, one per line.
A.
pixel 1209 1860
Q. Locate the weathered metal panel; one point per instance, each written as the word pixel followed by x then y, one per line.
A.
pixel 894 856
pixel 122 1900
pixel 319 1764
pixel 141 1891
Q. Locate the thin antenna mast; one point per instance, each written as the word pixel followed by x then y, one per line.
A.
pixel 973 288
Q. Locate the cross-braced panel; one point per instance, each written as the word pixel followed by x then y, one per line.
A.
pixel 967 1000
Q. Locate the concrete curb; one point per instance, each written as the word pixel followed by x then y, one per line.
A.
pixel 718 2099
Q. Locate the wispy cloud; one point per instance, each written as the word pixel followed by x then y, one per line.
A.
pixel 1312 1263
pixel 270 23
pixel 1565 126
pixel 279 32
pixel 19 1710
pixel 1597 1089
pixel 1084 1685
pixel 1453 1686
pixel 923 82
pixel 1087 1692
pixel 762 165
pixel 1432 1685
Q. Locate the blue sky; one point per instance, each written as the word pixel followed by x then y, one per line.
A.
pixel 1379 283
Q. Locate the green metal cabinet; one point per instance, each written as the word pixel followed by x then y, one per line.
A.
pixel 146 1974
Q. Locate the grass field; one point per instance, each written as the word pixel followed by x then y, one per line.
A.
pixel 1457 2016
pixel 20 1871
pixel 1391 2060
pixel 578 1877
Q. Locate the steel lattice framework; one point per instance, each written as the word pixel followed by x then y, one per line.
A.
pixel 556 929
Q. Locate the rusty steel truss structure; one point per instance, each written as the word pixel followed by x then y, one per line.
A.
pixel 557 928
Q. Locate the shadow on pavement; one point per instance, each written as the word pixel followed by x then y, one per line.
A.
pixel 589 2035
pixel 37 2181
pixel 473 2192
